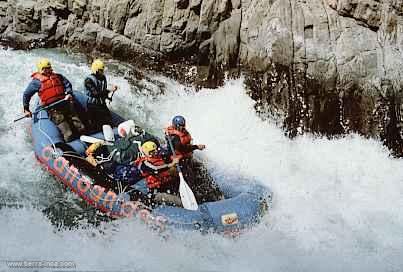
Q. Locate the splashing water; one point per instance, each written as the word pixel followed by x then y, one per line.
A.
pixel 337 203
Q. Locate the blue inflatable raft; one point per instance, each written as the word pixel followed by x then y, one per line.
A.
pixel 240 209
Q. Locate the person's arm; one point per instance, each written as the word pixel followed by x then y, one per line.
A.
pixel 113 88
pixel 90 86
pixel 68 88
pixel 147 167
pixel 187 148
pixel 31 89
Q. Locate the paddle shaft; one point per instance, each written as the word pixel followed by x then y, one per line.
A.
pixel 187 197
pixel 41 109
pixel 173 152
pixel 92 140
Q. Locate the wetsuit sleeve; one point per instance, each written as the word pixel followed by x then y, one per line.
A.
pixel 183 148
pixel 90 86
pixel 187 148
pixel 176 143
pixel 31 89
pixel 68 88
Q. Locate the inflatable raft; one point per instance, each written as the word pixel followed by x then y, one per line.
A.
pixel 240 208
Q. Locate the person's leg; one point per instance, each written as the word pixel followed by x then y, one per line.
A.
pixel 105 115
pixel 75 119
pixel 99 115
pixel 57 116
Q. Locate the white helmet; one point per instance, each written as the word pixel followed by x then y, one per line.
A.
pixel 129 128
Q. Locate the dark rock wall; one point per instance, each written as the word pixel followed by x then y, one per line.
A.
pixel 323 66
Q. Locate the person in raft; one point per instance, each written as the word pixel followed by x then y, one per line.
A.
pixel 96 88
pixel 51 88
pixel 180 138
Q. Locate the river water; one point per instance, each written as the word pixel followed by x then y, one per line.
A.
pixel 337 203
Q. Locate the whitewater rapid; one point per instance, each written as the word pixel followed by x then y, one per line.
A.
pixel 337 203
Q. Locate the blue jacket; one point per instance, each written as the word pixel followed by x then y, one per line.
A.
pixel 34 87
pixel 96 89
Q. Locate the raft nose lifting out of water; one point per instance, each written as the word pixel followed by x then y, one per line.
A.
pixel 239 209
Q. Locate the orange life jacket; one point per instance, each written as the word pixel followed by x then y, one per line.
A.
pixel 184 137
pixel 154 180
pixel 52 88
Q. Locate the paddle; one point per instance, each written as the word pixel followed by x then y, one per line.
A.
pixel 109 136
pixel 188 199
pixel 115 88
pixel 92 140
pixel 41 109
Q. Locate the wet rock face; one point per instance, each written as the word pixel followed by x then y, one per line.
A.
pixel 328 66
pixel 322 65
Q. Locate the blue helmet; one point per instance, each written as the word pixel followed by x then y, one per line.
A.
pixel 178 121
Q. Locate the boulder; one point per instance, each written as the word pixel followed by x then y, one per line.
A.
pixel 26 17
pixel 104 40
pixel 23 40
pixel 328 66
pixel 85 38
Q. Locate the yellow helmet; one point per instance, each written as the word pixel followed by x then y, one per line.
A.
pixel 149 147
pixel 42 64
pixel 97 65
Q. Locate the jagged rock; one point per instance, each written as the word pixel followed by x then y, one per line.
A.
pixel 117 15
pixel 26 17
pixel 204 51
pixel 23 40
pixel 3 9
pixel 48 23
pixel 77 7
pixel 318 65
pixel 266 35
pixel 169 41
pixel 121 46
pixel 236 4
pixel 104 40
pixel 195 4
pixel 125 48
pixel 66 28
pixel 226 40
pixel 57 4
pixel 4 20
pixel 145 27
pixel 182 4
pixel 366 11
pixel 135 8
pixel 85 38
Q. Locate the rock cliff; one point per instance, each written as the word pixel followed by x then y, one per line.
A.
pixel 327 66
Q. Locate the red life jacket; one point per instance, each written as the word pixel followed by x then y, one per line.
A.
pixel 52 88
pixel 154 180
pixel 184 137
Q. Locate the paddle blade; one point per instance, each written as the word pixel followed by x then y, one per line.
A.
pixel 89 139
pixel 108 133
pixel 188 199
